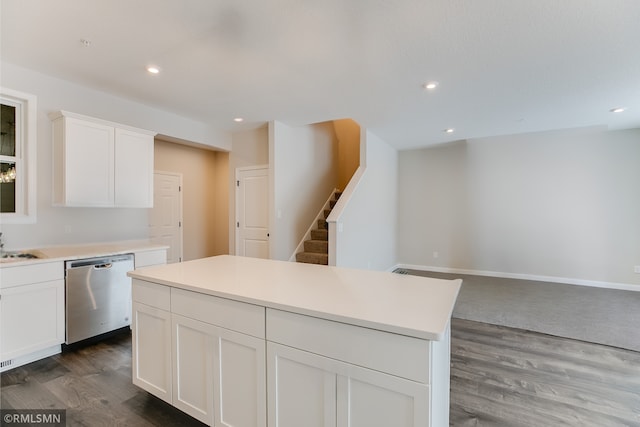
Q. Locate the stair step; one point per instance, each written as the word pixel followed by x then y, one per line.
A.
pixel 326 213
pixel 337 194
pixel 322 224
pixel 312 258
pixel 320 234
pixel 332 203
pixel 316 246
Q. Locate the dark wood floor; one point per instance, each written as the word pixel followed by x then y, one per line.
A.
pixel 94 385
pixel 502 376
pixel 499 377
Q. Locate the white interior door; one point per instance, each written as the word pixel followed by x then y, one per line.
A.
pixel 165 218
pixel 252 212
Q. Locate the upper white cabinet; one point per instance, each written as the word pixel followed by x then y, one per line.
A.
pixel 133 169
pixel 97 163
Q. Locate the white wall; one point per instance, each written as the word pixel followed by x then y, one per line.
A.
pixel 562 204
pixel 365 230
pixel 84 225
pixel 303 173
pixel 248 148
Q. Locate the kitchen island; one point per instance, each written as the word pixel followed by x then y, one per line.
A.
pixel 249 342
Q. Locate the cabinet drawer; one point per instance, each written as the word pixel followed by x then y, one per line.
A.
pixel 147 258
pixel 33 273
pixel 229 314
pixel 398 355
pixel 151 294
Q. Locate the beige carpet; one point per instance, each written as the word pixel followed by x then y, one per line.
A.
pixel 603 316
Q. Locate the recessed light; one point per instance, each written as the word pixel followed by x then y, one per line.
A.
pixel 153 69
pixel 238 119
pixel 430 85
pixel 617 110
pixel 450 130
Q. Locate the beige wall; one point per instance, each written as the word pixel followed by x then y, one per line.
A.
pixel 204 193
pixel 221 214
pixel 348 135
pixel 248 148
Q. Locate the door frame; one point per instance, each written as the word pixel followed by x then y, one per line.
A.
pixel 238 170
pixel 180 208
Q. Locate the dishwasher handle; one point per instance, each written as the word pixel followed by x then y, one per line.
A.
pixel 105 266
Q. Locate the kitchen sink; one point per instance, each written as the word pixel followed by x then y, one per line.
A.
pixel 17 256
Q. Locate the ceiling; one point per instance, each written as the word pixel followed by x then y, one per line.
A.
pixel 503 66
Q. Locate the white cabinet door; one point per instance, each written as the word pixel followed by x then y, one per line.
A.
pixel 88 163
pixel 312 390
pixel 97 163
pixel 193 361
pixel 368 398
pixel 31 318
pixel 301 388
pixel 215 369
pixel 240 380
pixel 151 332
pixel 133 169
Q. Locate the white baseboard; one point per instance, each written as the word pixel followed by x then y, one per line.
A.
pixel 566 280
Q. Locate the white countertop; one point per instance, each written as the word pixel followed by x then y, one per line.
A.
pixel 73 252
pixel 409 305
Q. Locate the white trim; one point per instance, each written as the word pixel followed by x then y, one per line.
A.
pixel 26 200
pixel 31 357
pixel 553 279
pixel 248 168
pixel 62 113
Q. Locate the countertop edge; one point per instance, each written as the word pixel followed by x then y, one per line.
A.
pixel 122 248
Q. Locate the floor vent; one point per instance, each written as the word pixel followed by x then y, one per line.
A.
pixel 401 271
pixel 6 363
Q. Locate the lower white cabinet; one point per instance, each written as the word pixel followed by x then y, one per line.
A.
pixel 32 318
pixel 149 258
pixel 193 366
pixel 151 347
pixel 240 380
pixel 316 391
pixel 210 372
pixel 233 364
pixel 31 313
pixel 218 374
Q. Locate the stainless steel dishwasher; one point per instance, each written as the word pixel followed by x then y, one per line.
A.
pixel 98 296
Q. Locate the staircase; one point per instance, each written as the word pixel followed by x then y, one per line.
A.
pixel 316 249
